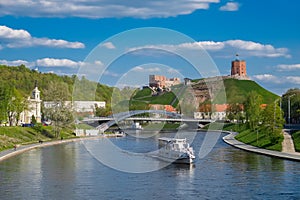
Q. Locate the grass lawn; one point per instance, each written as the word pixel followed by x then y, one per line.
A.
pixel 247 136
pixel 10 136
pixel 296 138
pixel 161 126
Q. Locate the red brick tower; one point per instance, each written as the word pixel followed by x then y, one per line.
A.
pixel 238 67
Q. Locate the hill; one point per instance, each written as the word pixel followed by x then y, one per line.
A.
pixel 236 92
pixel 23 79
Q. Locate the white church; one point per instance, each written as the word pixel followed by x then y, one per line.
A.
pixel 35 103
pixel 34 108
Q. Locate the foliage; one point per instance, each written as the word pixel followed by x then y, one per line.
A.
pixel 10 136
pixel 294 96
pixel 259 138
pixel 296 139
pixel 234 112
pixel 4 99
pixel 23 79
pixel 33 120
pixel 60 112
pixel 253 109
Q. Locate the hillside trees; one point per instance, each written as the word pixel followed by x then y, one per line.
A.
pixel 4 99
pixel 292 96
pixel 60 112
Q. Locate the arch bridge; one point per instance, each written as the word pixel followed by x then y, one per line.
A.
pixel 115 118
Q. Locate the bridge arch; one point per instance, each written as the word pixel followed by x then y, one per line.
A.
pixel 123 115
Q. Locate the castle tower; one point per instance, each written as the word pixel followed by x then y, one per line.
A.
pixel 238 67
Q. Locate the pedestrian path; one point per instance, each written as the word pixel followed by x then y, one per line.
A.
pixel 287 143
pixel 229 139
pixel 23 148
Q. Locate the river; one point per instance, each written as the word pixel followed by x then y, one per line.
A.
pixel 76 171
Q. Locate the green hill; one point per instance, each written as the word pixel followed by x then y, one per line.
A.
pixel 23 79
pixel 237 91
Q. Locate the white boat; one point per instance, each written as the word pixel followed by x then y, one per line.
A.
pixel 175 150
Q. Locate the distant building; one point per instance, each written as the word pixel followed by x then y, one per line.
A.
pixel 162 81
pixel 34 107
pixel 238 69
pixel 214 112
pixel 79 106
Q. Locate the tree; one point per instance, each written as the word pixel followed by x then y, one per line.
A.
pixel 60 112
pixel 33 120
pixel 292 96
pixel 273 121
pixel 253 109
pixel 234 112
pixel 16 105
pixel 4 99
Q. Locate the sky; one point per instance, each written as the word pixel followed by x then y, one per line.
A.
pixel 120 43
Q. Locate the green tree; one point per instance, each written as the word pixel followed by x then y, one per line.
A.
pixel 234 112
pixel 292 96
pixel 273 121
pixel 33 120
pixel 60 112
pixel 4 99
pixel 16 105
pixel 253 109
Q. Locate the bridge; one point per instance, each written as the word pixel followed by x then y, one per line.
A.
pixel 112 120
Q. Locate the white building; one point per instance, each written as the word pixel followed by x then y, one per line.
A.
pixel 34 108
pixel 79 106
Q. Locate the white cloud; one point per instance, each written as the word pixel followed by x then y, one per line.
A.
pixel 103 8
pixel 244 48
pixel 108 45
pixel 15 63
pixel 13 38
pixel 293 79
pixel 230 6
pixel 146 69
pixel 291 67
pixel 266 78
pixel 53 62
pixel 257 49
pixel 269 78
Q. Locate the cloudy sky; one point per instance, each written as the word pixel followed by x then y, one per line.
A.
pixel 87 36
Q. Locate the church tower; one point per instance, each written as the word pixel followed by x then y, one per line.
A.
pixel 35 102
pixel 238 67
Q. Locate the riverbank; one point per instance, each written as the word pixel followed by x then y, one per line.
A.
pixel 230 139
pixel 12 136
pixel 23 148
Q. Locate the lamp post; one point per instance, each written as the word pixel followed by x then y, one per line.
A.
pixel 289 109
pixel 275 114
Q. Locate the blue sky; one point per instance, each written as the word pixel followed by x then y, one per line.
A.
pixel 59 37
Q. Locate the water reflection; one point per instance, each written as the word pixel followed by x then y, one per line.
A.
pixel 69 171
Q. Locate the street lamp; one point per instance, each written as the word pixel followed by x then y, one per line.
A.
pixel 275 113
pixel 289 109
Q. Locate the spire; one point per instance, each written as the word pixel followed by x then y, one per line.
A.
pixel 237 57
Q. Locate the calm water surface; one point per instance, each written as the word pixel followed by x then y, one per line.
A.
pixel 71 171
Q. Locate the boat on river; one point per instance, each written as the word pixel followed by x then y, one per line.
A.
pixel 175 150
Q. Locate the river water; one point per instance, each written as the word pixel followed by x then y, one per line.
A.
pixel 76 171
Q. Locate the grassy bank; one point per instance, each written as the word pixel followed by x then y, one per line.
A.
pixel 161 126
pixel 258 138
pixel 10 136
pixel 296 138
